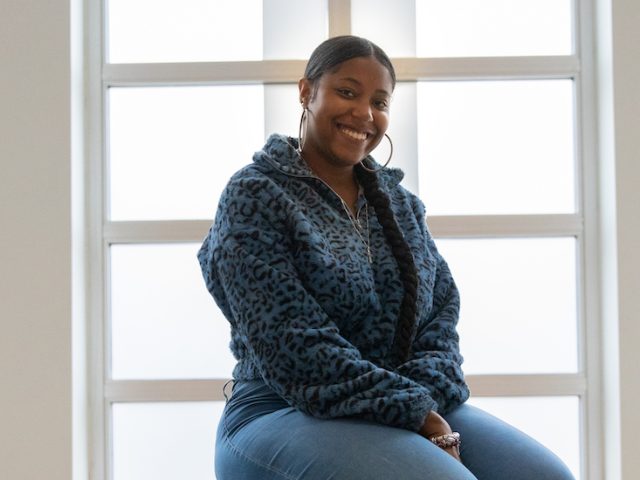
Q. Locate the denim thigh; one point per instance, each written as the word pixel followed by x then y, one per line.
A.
pixel 494 450
pixel 260 437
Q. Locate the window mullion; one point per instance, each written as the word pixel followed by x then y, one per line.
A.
pixel 527 385
pixel 201 73
pixel 165 390
pixel 161 231
pixel 491 226
pixel 290 71
pixel 590 347
pixel 456 226
pixel 339 17
pixel 212 389
pixel 487 68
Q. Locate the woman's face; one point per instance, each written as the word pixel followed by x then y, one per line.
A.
pixel 349 112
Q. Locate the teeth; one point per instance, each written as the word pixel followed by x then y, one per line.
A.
pixel 354 134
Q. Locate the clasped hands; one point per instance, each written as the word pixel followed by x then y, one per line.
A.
pixel 435 426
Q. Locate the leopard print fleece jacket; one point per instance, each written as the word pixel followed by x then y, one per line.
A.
pixel 310 315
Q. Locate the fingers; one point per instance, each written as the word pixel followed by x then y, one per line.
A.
pixel 436 429
pixel 454 452
pixel 451 446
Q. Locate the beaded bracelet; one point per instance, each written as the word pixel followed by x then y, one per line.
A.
pixel 447 440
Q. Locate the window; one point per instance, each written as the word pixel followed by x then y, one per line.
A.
pixel 488 123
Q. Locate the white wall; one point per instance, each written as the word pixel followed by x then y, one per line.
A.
pixel 626 118
pixel 35 256
pixel 35 239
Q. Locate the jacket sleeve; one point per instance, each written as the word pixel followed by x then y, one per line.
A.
pixel 248 265
pixel 435 360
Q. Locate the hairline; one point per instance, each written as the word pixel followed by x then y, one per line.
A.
pixel 316 83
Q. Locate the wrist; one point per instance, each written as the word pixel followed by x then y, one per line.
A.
pixel 446 440
pixel 434 425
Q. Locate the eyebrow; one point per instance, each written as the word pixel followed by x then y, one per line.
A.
pixel 353 80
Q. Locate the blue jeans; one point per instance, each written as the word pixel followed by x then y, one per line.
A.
pixel 261 438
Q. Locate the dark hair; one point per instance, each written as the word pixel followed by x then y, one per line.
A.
pixel 406 325
pixel 326 58
pixel 332 52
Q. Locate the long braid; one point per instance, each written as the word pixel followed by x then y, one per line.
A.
pixel 406 326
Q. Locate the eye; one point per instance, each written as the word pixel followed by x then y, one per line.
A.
pixel 381 104
pixel 345 92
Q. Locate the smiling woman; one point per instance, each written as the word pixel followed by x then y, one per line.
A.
pixel 343 313
pixel 347 114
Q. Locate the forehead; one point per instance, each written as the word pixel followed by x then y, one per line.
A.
pixel 367 71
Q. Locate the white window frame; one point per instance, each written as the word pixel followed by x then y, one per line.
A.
pixel 583 225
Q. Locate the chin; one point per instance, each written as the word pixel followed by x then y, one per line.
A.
pixel 349 158
pixel 346 161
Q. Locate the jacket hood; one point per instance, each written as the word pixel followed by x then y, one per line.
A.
pixel 280 153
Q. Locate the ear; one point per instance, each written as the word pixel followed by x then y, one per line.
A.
pixel 305 89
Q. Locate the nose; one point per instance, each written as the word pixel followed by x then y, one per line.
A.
pixel 362 110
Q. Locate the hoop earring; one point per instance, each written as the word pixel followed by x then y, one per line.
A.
pixel 302 129
pixel 375 170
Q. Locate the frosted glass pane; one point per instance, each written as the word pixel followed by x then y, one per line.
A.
pixel 143 31
pixel 518 303
pixel 282 109
pixel 469 28
pixel 293 28
pixel 164 323
pixel 553 421
pixel 165 441
pixel 173 149
pixel 490 147
pixel 390 25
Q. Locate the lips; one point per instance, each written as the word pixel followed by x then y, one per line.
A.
pixel 353 133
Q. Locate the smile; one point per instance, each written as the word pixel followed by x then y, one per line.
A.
pixel 360 136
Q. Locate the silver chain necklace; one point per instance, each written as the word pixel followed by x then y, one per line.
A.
pixel 355 222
